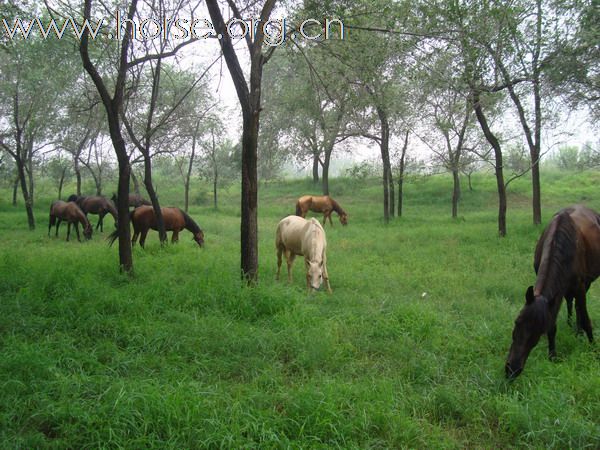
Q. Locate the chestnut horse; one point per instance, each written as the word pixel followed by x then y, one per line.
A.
pixel 95 204
pixel 298 236
pixel 135 200
pixel 320 203
pixel 72 213
pixel 567 261
pixel 175 219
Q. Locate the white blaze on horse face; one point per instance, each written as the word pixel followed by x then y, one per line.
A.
pixel 315 273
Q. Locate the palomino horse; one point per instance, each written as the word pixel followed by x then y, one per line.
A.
pixel 567 261
pixel 318 203
pixel 72 213
pixel 298 236
pixel 175 220
pixel 135 200
pixel 95 204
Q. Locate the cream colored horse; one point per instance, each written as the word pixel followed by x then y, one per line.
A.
pixel 298 236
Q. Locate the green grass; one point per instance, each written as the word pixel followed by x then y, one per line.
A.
pixel 407 352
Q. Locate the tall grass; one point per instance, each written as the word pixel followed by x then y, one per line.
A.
pixel 407 352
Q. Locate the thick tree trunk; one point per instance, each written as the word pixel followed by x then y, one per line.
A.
pixel 493 141
pixel 249 200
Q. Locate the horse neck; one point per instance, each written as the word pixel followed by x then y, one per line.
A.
pixel 316 240
pixel 81 217
pixel 190 225
pixel 558 254
pixel 336 207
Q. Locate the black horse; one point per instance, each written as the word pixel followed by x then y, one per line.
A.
pixel 567 261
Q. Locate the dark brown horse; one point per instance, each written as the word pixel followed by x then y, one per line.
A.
pixel 175 220
pixel 72 213
pixel 567 261
pixel 320 203
pixel 95 204
pixel 135 200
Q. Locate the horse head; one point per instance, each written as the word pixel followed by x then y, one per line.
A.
pixel 199 238
pixel 73 198
pixel 87 231
pixel 344 219
pixel 529 327
pixel 314 273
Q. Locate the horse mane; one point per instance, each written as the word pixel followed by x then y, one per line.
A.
pixel 73 198
pixel 189 222
pixel 557 256
pixel 336 207
pixel 316 229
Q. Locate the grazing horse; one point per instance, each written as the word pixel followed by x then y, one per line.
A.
pixel 135 200
pixel 298 236
pixel 320 203
pixel 567 261
pixel 72 213
pixel 95 204
pixel 175 220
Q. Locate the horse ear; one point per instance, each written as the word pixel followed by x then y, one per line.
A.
pixel 529 297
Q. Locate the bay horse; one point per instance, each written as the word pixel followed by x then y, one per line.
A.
pixel 298 236
pixel 73 214
pixel 95 204
pixel 567 261
pixel 175 220
pixel 320 203
pixel 135 200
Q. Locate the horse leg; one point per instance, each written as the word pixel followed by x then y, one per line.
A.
pixel 68 231
pixel 583 319
pixel 77 231
pixel 326 275
pixel 279 251
pixel 50 224
pixel 329 215
pixel 143 235
pixel 289 256
pixel 175 236
pixel 551 342
pixel 100 223
pixel 58 225
pixel 569 300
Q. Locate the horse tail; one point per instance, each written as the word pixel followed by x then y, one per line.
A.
pixel 112 237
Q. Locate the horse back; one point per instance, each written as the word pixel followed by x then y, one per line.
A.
pixel 144 216
pixel 587 223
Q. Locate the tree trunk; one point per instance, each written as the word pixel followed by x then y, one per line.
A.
pixel 401 175
pixel 26 193
pixel 77 174
pixel 325 174
pixel 455 192
pixel 215 191
pixel 160 223
pixel 388 183
pixel 61 182
pixel 315 169
pixel 249 200
pixel 15 189
pixel 136 183
pixel 493 141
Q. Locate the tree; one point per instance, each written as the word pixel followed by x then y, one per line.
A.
pixel 249 95
pixel 27 99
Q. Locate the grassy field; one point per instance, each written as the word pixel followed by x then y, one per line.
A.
pixel 407 352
